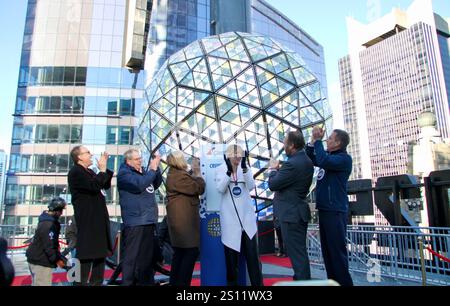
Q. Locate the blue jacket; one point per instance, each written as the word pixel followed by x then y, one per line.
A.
pixel 331 189
pixel 44 249
pixel 137 195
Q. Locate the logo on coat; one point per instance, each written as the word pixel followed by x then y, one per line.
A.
pixel 321 174
pixel 150 189
pixel 237 191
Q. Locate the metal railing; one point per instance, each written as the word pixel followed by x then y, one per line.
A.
pixel 399 253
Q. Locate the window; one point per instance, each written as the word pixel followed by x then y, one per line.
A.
pixel 30 105
pixel 52 76
pixel 67 105
pixel 58 76
pixel 126 136
pixel 52 133
pixel 80 77
pixel 62 163
pixel 43 105
pixel 58 133
pixel 69 76
pixel 78 105
pixel 55 105
pixel 127 107
pixel 111 135
pixel 76 132
pixel 112 108
pixel 20 104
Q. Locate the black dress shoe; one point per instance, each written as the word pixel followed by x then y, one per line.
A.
pixel 160 268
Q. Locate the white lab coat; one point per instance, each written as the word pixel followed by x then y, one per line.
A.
pixel 229 221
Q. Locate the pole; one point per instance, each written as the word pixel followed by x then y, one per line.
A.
pixel 422 261
pixel 119 236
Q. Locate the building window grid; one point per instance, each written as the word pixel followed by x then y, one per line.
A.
pixel 385 77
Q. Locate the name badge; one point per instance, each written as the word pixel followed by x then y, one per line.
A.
pixel 150 189
pixel 236 191
pixel 321 174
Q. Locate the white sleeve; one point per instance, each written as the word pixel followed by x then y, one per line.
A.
pixel 249 181
pixel 222 179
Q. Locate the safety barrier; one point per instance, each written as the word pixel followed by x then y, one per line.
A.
pixel 416 254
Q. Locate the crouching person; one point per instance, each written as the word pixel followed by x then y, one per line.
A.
pixel 43 254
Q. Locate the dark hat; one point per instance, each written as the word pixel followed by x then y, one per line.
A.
pixel 57 204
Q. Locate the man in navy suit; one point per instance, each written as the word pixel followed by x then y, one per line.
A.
pixel 291 184
pixel 332 200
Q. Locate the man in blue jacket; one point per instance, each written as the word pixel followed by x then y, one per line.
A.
pixel 43 254
pixel 331 200
pixel 140 215
pixel 291 184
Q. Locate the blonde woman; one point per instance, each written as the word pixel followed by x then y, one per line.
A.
pixel 183 191
pixel 234 180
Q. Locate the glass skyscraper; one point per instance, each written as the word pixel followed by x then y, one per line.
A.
pixel 3 165
pixel 82 80
pixel 398 68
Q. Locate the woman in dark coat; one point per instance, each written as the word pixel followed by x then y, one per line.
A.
pixel 183 191
pixel 91 215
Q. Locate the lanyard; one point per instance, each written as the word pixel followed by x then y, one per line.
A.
pixel 235 178
pixel 235 209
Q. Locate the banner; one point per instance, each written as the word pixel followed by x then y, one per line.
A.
pixel 212 256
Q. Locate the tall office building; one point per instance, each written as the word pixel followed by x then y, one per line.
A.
pixel 73 89
pixel 398 67
pixel 350 117
pixel 3 169
pixel 84 67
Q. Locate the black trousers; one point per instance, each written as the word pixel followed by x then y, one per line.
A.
pixel 294 235
pixel 250 249
pixel 281 247
pixel 137 267
pixel 183 263
pixel 95 267
pixel 157 259
pixel 333 234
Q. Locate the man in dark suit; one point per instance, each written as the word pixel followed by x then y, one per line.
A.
pixel 91 215
pixel 291 184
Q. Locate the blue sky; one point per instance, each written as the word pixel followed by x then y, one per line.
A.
pixel 324 20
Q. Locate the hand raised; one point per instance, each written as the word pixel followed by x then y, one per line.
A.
pixel 244 161
pixel 274 164
pixel 317 133
pixel 229 166
pixel 103 162
pixel 154 164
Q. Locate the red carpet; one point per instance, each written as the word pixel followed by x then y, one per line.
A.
pixel 277 261
pixel 59 278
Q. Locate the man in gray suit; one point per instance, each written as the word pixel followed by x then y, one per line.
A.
pixel 291 184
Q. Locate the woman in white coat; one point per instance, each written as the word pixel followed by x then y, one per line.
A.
pixel 234 180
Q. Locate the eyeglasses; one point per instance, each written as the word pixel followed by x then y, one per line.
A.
pixel 81 153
